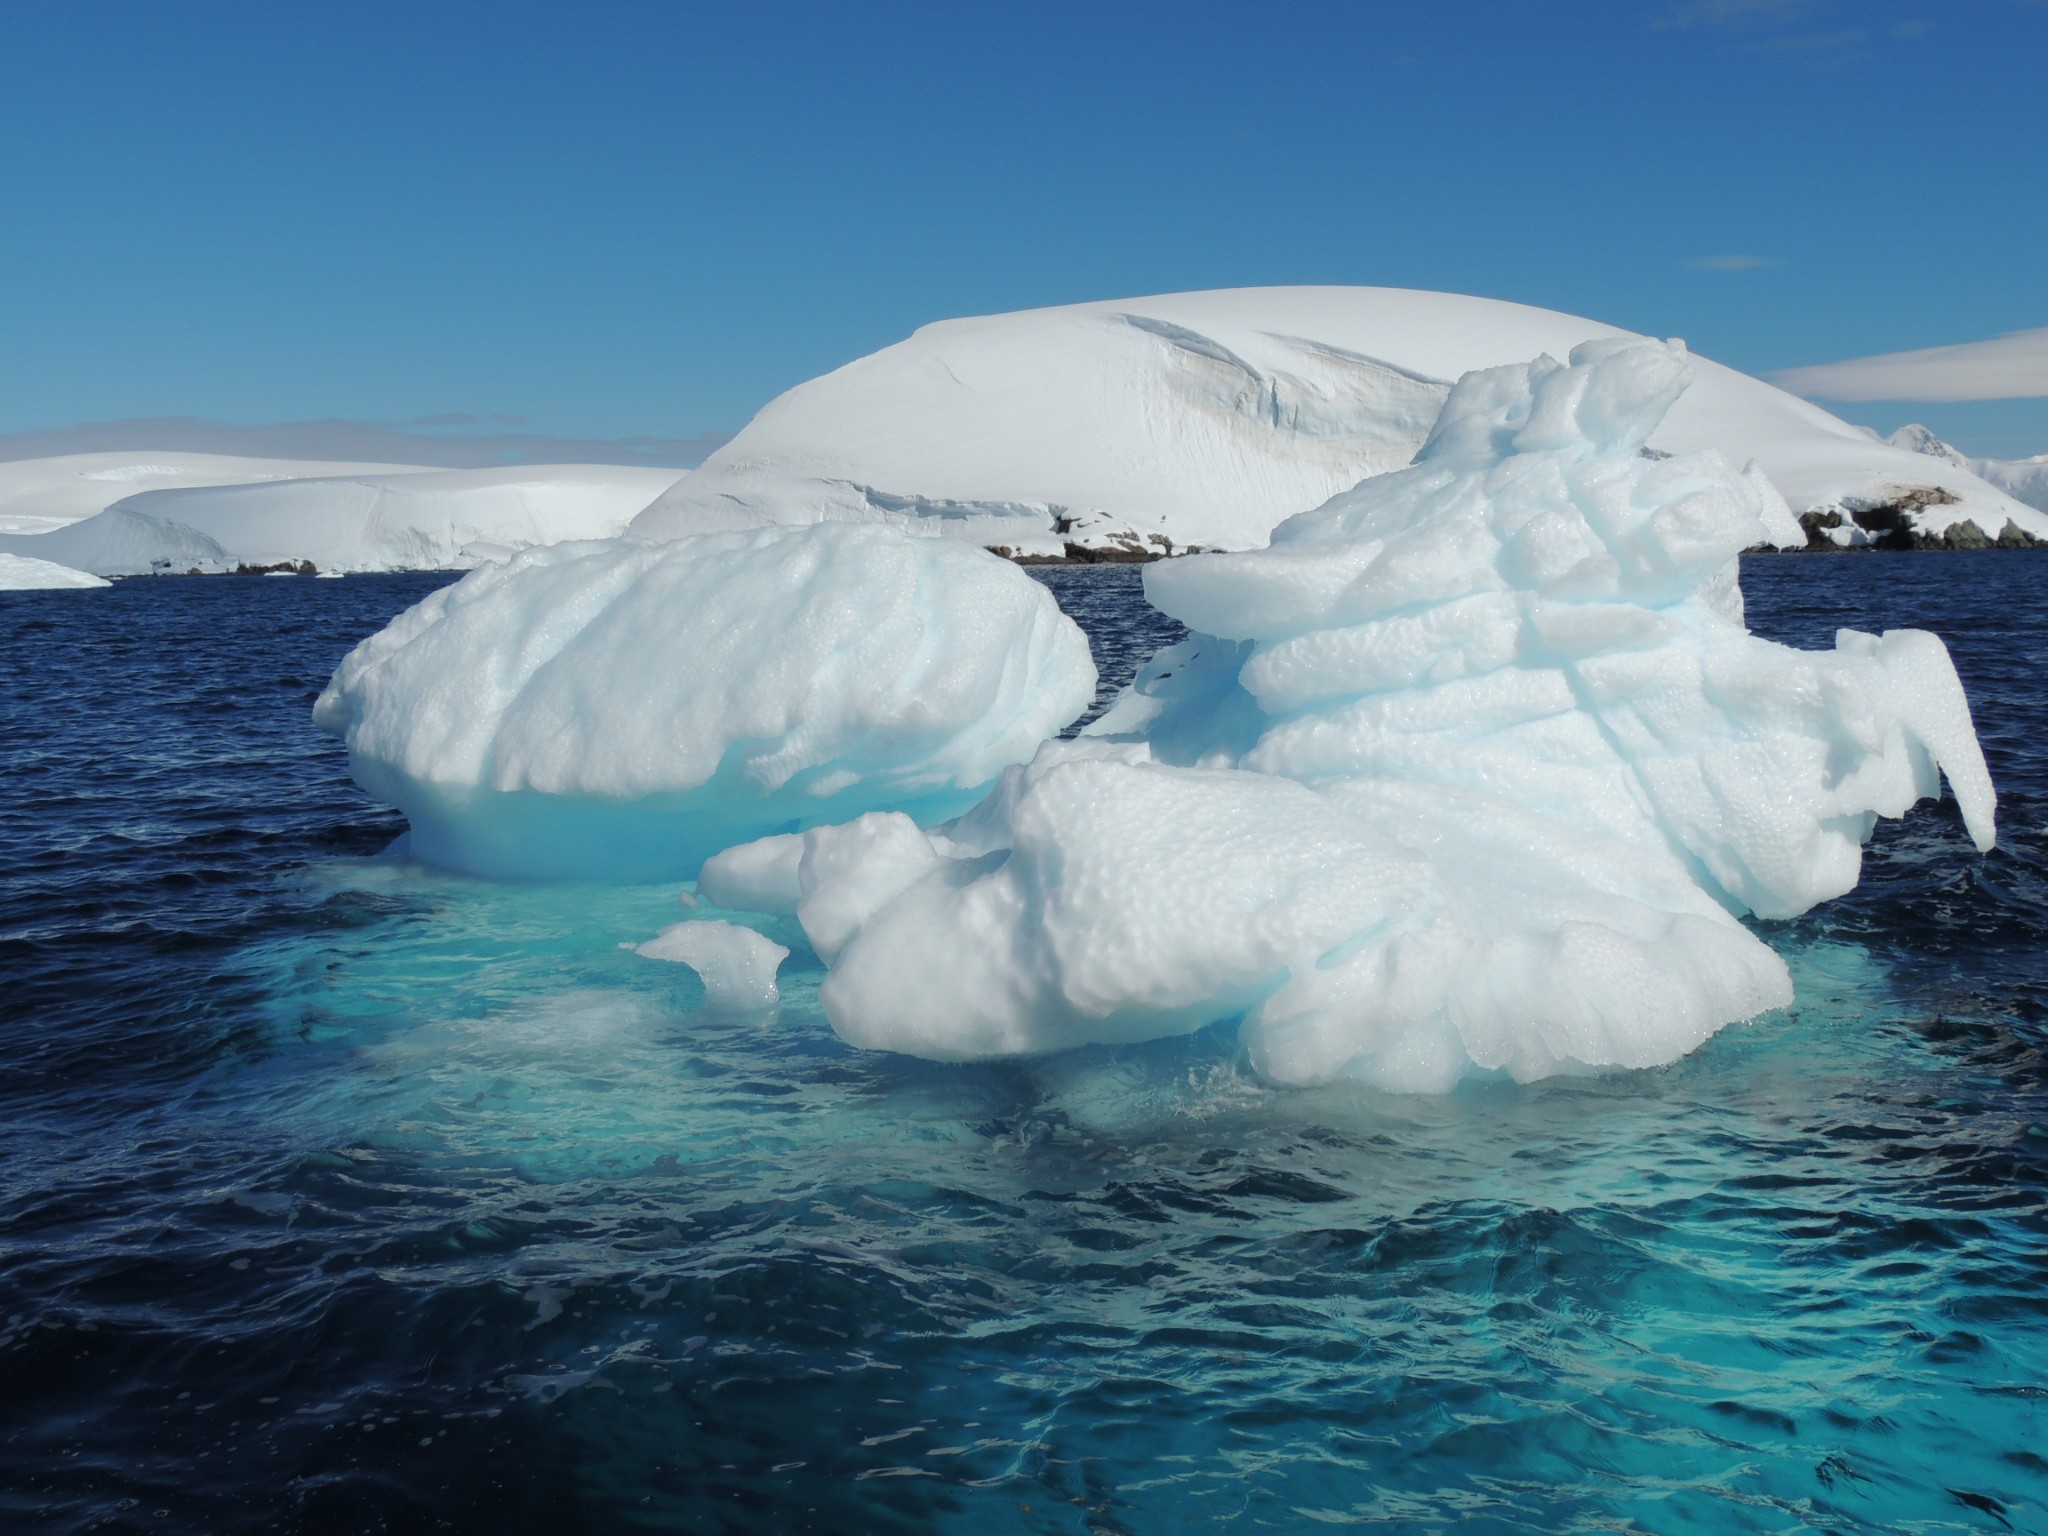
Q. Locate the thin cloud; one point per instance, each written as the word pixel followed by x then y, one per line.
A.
pixel 1848 40
pixel 431 440
pixel 1733 13
pixel 1730 263
pixel 2009 367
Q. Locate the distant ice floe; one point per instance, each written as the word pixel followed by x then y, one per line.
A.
pixel 622 710
pixel 20 574
pixel 1475 767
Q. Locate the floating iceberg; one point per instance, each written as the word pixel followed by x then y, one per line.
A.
pixel 1476 766
pixel 20 574
pixel 624 709
pixel 736 965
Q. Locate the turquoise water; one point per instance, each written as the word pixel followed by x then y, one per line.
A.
pixel 338 1193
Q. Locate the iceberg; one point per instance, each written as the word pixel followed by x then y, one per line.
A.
pixel 736 965
pixel 1132 427
pixel 622 709
pixel 18 574
pixel 1474 767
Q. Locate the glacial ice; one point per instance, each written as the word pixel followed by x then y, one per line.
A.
pixel 736 964
pixel 19 573
pixel 1474 767
pixel 622 709
pixel 373 519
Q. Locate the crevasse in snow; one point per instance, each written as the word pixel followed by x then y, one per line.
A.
pixel 1475 766
pixel 621 709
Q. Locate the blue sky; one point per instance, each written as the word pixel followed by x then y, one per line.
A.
pixel 610 221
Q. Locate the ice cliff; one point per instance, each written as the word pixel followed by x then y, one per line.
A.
pixel 1474 767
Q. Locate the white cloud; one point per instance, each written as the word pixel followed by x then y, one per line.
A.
pixel 2010 367
pixel 1730 263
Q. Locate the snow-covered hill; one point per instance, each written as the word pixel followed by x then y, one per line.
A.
pixel 38 495
pixel 403 520
pixel 2022 479
pixel 1207 418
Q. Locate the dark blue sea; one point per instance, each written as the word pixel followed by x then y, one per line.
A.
pixel 340 1195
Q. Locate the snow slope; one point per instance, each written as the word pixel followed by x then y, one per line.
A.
pixel 1207 418
pixel 2022 479
pixel 20 574
pixel 37 495
pixel 405 520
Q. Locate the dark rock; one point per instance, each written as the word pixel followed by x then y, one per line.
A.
pixel 2013 536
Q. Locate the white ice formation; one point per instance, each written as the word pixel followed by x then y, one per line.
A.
pixel 1476 766
pixel 20 574
pixel 736 965
pixel 624 709
pixel 2022 479
pixel 372 520
pixel 1208 418
pixel 39 495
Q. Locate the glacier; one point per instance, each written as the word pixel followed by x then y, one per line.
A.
pixel 1474 767
pixel 1136 427
pixel 41 495
pixel 374 519
pixel 621 709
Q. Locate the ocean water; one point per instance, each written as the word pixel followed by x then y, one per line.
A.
pixel 339 1195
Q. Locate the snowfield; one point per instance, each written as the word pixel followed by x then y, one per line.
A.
pixel 1206 419
pixel 19 574
pixel 2022 479
pixel 382 521
pixel 38 495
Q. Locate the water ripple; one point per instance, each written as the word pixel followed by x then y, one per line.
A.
pixel 339 1194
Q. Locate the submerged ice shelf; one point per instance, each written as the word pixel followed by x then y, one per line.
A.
pixel 1474 767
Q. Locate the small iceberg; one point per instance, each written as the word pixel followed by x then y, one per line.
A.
pixel 620 710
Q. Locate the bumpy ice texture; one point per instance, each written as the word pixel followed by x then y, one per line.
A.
pixel 736 965
pixel 1474 766
pixel 620 710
